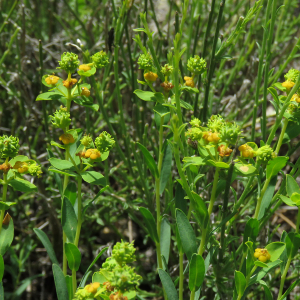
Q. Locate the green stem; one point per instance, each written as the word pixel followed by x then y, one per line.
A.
pixel 79 217
pixel 4 193
pixel 250 274
pixel 74 283
pixel 192 297
pixel 283 277
pixel 298 221
pixel 285 124
pixel 181 277
pixel 259 200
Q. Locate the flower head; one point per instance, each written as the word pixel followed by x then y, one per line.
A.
pixel 69 83
pixel 167 70
pixel 69 62
pixel 34 169
pixel 5 167
pixel 145 61
pixel 92 287
pixel 9 146
pixel 67 138
pixel 84 68
pixel 123 253
pixel 86 141
pixel 100 59
pixel 85 92
pixel 167 86
pixel 292 75
pixel 194 133
pixel 150 76
pixel 247 151
pixel 92 154
pixel 51 79
pixel 262 254
pixel 296 98
pixel 229 133
pixel 104 142
pixel 224 151
pixel 195 122
pixel 196 65
pixel 212 137
pixel 83 294
pixel 21 166
pixel 265 153
pixel 189 81
pixel 61 118
pixel 215 123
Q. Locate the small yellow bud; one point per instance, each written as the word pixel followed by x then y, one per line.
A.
pixel 85 92
pixel 288 84
pixel 84 68
pixel 262 254
pixel 246 151
pixel 69 83
pixel 92 288
pixel 67 138
pixel 51 79
pixel 210 136
pixel 5 168
pixel 22 167
pixel 92 154
pixel 224 151
pixel 296 98
pixel 189 81
pixel 150 76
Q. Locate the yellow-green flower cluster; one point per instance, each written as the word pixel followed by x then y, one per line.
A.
pixel 61 118
pixel 145 61
pixel 196 65
pixel 123 253
pixel 69 62
pixel 104 142
pixel 9 146
pixel 167 70
pixel 100 59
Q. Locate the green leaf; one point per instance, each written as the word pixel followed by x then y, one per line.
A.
pixel 291 132
pixel 201 210
pixel 291 185
pixel 22 185
pixel 251 231
pixel 193 160
pixel 62 164
pixel 165 169
pixel 144 95
pixel 60 283
pixel 267 198
pixel 168 285
pixel 291 287
pixel 88 73
pixel 296 198
pixel 260 264
pixel 150 223
pixel 186 105
pixel 245 169
pixel 189 89
pixel 6 236
pixel 217 164
pixel 91 265
pixel 18 158
pixel 240 283
pixel 287 200
pixel 57 145
pixel 275 165
pixel 47 244
pixel 93 177
pixel 73 256
pixel 68 219
pixel 71 192
pixel 268 293
pixel 6 205
pixel 165 238
pixel 49 96
pixel 275 249
pixel 65 172
pixel 279 86
pixel 149 160
pixel 292 242
pixel 187 234
pixel 1 268
pixel 94 107
pixel 197 272
pixel 180 201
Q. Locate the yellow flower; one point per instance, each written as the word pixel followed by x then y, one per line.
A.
pixel 224 151
pixel 21 166
pixel 84 68
pixel 51 79
pixel 92 153
pixel 189 81
pixel 69 83
pixel 85 91
pixel 246 151
pixel 262 254
pixel 296 98
pixel 92 288
pixel 67 138
pixel 288 85
pixel 150 76
pixel 210 136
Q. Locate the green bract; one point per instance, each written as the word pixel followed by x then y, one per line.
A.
pixel 61 118
pixel 69 62
pixel 194 133
pixel 83 294
pixel 124 279
pixel 229 133
pixel 195 122
pixel 100 59
pixel 167 70
pixel 123 253
pixel 86 141
pixel 145 61
pixel 104 142
pixel 215 123
pixel 9 146
pixel 34 169
pixel 264 154
pixel 196 65
pixel 292 75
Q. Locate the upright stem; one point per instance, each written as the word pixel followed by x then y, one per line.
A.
pixel 3 199
pixel 284 276
pixel 181 277
pixel 79 222
pixel 285 124
pixel 259 200
pixel 74 283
